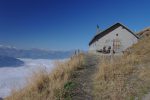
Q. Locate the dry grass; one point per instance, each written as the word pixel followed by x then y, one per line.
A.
pixel 49 86
pixel 123 78
pixel 126 77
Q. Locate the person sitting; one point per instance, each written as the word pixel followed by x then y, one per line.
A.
pixel 104 49
pixel 109 49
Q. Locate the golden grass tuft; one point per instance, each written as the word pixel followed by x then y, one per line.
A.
pixel 49 86
pixel 126 77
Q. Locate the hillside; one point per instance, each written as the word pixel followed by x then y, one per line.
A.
pixel 144 33
pixel 126 77
pixel 51 86
pixel 90 77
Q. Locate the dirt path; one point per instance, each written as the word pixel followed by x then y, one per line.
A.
pixel 83 79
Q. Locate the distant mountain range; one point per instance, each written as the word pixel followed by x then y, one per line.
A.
pixel 33 53
pixel 6 61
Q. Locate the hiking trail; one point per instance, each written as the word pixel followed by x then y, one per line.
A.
pixel 83 78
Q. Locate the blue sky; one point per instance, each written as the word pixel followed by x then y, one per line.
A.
pixel 66 24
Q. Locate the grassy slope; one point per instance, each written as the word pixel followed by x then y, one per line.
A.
pixel 53 86
pixel 127 77
pixel 123 78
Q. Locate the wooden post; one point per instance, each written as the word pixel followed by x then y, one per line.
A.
pixel 112 52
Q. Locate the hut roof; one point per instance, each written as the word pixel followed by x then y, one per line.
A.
pixel 103 33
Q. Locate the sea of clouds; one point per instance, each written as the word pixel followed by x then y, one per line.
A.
pixel 16 77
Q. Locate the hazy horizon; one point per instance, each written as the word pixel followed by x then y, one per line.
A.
pixel 30 48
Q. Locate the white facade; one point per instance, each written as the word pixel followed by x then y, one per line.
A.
pixel 118 40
